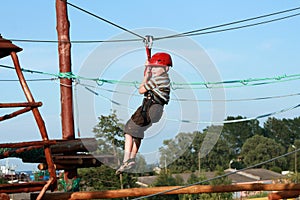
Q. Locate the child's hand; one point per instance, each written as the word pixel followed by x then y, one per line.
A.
pixel 147 72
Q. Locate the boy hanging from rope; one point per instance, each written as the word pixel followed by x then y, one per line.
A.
pixel 156 89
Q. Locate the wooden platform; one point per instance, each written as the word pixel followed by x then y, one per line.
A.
pixel 22 187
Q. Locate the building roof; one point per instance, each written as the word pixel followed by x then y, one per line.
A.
pixel 237 177
pixel 253 175
pixel 6 47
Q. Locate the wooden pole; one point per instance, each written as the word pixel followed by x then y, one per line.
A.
pixel 64 52
pixel 36 113
pixel 283 195
pixel 14 114
pixel 197 189
pixel 24 104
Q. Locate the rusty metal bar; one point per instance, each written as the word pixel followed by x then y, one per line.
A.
pixel 16 113
pixel 23 104
pixel 36 114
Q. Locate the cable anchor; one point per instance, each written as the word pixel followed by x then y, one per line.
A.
pixel 148 41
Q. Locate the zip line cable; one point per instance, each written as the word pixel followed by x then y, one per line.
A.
pixel 245 26
pixel 191 33
pixel 72 41
pixel 105 20
pixel 220 176
pixel 184 34
pixel 202 122
pixel 88 87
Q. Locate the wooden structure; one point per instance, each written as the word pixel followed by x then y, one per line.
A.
pixel 66 153
pixel 196 189
pixel 9 49
pixel 63 154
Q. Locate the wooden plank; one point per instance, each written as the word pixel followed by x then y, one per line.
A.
pixel 283 195
pixel 77 145
pixel 14 114
pixel 27 144
pixel 22 187
pixel 22 104
pixel 197 189
pixel 6 47
pixel 58 145
pixel 78 161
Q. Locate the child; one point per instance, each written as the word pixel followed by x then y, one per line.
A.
pixel 156 89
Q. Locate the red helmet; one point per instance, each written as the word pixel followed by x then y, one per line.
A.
pixel 160 59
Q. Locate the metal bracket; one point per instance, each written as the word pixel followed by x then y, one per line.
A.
pixel 148 41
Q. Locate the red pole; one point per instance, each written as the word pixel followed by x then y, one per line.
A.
pixel 64 50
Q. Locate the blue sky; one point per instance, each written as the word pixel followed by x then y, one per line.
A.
pixel 262 51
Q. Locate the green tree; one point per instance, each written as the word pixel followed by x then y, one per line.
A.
pixel 282 131
pixel 194 179
pixel 109 134
pixel 208 196
pixel 166 179
pixel 103 178
pixel 221 181
pixel 237 133
pixel 211 159
pixel 3 181
pixel 219 156
pixel 294 157
pixel 258 149
pixel 177 151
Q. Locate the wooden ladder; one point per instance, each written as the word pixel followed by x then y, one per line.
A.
pixel 9 49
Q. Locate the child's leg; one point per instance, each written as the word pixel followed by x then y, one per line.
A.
pixel 135 147
pixel 130 150
pixel 128 147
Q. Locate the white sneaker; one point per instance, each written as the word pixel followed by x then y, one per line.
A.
pixel 127 165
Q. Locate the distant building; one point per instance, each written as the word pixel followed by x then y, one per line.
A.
pixel 237 177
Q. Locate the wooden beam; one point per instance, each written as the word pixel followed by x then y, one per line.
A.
pixel 59 146
pixel 283 195
pixel 16 113
pixel 76 145
pixel 22 187
pixel 17 151
pixel 36 113
pixel 197 189
pixel 27 144
pixel 23 104
pixel 79 161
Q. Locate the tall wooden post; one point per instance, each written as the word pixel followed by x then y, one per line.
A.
pixel 64 50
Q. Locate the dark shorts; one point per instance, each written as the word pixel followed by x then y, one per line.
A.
pixel 140 121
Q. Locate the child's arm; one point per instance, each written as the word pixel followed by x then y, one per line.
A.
pixel 146 78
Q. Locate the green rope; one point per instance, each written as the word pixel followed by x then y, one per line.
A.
pixel 177 85
pixel 73 186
